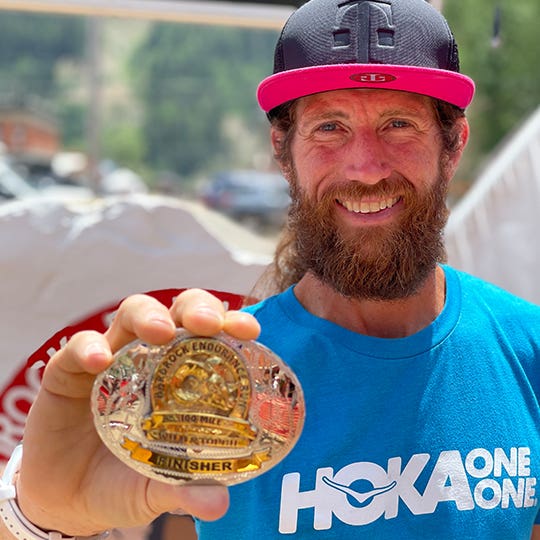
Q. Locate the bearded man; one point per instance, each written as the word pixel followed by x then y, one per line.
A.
pixel 421 383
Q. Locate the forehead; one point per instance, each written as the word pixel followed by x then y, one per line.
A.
pixel 369 101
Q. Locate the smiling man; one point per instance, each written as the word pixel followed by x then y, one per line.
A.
pixel 421 383
pixel 369 187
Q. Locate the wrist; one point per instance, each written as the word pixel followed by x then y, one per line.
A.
pixel 11 515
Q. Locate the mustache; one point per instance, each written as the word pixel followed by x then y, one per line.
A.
pixel 385 188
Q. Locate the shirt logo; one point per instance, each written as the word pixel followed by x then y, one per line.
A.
pixel 360 497
pixel 363 492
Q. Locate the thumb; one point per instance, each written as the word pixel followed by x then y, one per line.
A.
pixel 207 502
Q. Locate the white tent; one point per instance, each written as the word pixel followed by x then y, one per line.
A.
pixel 62 260
pixel 494 231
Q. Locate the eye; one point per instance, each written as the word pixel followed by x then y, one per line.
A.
pixel 328 127
pixel 399 123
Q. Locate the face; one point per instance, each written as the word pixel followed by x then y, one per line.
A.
pixel 368 180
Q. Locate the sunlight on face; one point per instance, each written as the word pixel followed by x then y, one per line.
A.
pixel 368 192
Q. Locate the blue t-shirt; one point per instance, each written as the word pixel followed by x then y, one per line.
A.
pixel 432 436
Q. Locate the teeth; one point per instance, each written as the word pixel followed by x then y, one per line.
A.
pixel 365 207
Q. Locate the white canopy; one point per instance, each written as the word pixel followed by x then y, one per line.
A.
pixel 494 232
pixel 62 260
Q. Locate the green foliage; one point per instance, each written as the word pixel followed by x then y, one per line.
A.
pixel 31 46
pixel 71 118
pixel 125 145
pixel 189 79
pixel 507 76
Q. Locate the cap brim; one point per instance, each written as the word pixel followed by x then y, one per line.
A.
pixel 449 86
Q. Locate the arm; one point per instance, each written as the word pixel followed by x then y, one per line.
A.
pixel 64 459
pixel 536 533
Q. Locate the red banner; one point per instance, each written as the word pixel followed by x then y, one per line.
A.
pixel 19 393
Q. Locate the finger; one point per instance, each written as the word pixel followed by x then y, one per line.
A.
pixel 199 312
pixel 207 502
pixel 204 314
pixel 71 370
pixel 241 325
pixel 143 317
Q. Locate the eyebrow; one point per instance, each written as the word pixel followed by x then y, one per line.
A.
pixel 325 115
pixel 421 112
pixel 407 111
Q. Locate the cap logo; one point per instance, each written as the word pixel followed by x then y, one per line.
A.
pixel 373 78
pixel 362 28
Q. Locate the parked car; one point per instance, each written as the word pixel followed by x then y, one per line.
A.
pixel 13 185
pixel 260 199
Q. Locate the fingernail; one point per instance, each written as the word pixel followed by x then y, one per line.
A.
pixel 95 349
pixel 209 312
pixel 158 318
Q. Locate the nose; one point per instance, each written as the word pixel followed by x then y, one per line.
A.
pixel 366 159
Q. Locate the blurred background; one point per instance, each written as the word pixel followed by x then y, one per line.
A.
pixel 121 99
pixel 117 105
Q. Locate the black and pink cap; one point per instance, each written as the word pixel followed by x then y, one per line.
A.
pixel 392 44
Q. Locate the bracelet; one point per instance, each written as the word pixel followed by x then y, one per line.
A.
pixel 12 516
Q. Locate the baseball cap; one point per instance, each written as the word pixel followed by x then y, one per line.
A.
pixel 393 44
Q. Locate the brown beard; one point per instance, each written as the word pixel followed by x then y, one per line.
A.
pixel 388 262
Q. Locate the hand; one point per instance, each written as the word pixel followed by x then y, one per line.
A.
pixel 69 481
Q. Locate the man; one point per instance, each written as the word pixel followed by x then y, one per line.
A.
pixel 421 383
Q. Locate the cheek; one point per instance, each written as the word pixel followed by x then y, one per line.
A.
pixel 318 165
pixel 310 154
pixel 310 167
pixel 418 164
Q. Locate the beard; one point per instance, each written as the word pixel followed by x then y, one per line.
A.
pixel 386 262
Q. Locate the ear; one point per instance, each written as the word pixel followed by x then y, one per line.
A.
pixel 462 132
pixel 277 137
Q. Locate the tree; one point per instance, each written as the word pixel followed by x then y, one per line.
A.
pixel 31 49
pixel 31 46
pixel 190 79
pixel 498 49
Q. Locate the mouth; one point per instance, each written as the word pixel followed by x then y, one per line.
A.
pixel 368 207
